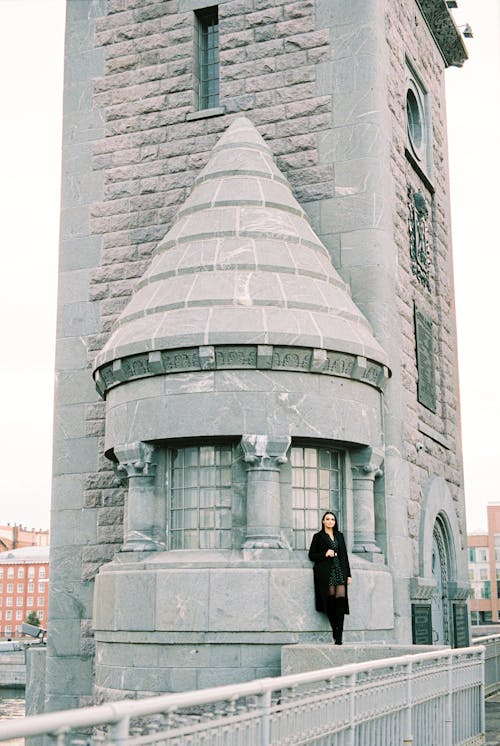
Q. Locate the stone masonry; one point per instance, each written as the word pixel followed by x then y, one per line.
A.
pixel 324 83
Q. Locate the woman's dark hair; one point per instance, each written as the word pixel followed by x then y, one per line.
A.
pixel 336 526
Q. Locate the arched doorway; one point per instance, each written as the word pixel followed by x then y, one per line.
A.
pixel 440 603
pixel 440 591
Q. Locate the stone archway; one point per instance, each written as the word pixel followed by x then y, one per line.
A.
pixel 440 602
pixel 440 590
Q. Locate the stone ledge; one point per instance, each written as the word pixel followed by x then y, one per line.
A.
pixel 240 357
pixel 301 658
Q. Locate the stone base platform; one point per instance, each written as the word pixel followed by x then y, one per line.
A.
pixel 300 658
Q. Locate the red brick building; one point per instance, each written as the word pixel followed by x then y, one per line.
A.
pixel 484 569
pixel 24 576
pixel 15 536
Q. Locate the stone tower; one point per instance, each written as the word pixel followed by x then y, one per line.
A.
pixel 256 277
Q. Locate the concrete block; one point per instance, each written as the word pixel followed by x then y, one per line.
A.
pixel 36 660
pixel 67 491
pixel 69 422
pixel 304 657
pixel 69 676
pixel 182 600
pixel 74 387
pixel 291 600
pixel 239 600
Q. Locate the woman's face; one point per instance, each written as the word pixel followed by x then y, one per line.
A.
pixel 329 520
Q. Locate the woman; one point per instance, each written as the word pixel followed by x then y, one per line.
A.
pixel 332 573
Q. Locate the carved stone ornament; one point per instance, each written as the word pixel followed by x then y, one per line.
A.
pixel 135 460
pixel 242 357
pixel 418 228
pixel 265 451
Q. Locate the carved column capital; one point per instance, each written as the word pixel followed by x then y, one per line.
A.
pixel 144 524
pixel 366 463
pixel 265 451
pixel 135 460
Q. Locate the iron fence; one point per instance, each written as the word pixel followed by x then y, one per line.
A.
pixel 430 699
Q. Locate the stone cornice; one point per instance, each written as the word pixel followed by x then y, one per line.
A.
pixel 445 32
pixel 241 357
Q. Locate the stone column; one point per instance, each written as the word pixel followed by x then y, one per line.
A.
pixel 365 467
pixel 144 528
pixel 264 455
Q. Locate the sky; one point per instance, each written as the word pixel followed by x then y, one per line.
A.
pixel 31 59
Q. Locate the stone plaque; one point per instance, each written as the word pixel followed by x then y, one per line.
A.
pixel 424 337
pixel 460 626
pixel 421 624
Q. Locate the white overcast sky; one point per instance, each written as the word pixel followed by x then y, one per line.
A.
pixel 31 57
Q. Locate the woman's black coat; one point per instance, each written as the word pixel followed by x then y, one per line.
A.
pixel 322 565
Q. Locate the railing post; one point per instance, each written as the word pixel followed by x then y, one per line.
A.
pixel 118 733
pixel 352 710
pixel 483 692
pixel 448 721
pixel 265 704
pixel 408 736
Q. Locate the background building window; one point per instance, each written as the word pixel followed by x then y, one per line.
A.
pixel 207 57
pixel 31 587
pixel 20 587
pixel 20 572
pixel 316 488
pixel 10 587
pixel 10 572
pixel 41 573
pixel 201 497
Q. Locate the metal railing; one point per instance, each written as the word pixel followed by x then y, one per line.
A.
pixel 491 644
pixel 432 698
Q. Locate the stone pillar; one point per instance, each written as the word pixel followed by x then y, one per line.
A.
pixel 144 529
pixel 264 455
pixel 365 467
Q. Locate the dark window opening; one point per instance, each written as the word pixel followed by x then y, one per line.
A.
pixel 207 62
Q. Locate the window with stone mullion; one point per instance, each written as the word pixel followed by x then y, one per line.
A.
pixel 200 497
pixel 316 488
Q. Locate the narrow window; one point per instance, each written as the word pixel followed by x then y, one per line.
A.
pixel 201 497
pixel 207 58
pixel 316 488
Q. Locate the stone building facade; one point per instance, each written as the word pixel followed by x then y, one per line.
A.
pixel 256 275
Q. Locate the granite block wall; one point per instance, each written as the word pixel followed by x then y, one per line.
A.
pixel 325 84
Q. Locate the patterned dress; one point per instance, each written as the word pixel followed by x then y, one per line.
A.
pixel 336 577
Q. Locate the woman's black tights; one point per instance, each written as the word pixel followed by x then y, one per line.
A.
pixel 336 611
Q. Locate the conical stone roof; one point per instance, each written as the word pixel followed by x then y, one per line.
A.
pixel 240 280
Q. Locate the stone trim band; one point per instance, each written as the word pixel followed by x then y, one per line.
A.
pixel 233 357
